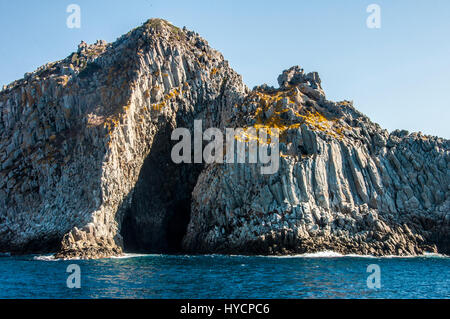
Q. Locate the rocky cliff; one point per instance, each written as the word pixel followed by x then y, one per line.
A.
pixel 344 184
pixel 86 168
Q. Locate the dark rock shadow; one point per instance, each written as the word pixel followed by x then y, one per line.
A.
pixel 157 211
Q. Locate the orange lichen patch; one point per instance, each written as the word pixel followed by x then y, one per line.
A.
pixel 159 106
pixel 345 103
pixel 63 80
pixel 315 120
pixel 169 96
pixel 147 94
pixel 247 135
pixel 214 71
pixel 267 101
pixel 254 134
pixel 318 121
pixel 279 102
pixel 110 124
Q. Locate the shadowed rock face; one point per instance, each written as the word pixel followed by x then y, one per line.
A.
pixel 157 218
pixel 85 166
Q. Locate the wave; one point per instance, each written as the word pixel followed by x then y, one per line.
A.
pixel 124 256
pixel 45 258
pixel 322 254
pixel 333 254
pixel 434 255
pixel 130 255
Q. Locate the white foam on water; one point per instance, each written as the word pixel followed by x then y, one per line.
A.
pixel 129 255
pixel 425 255
pixel 434 255
pixel 124 256
pixel 322 254
pixel 46 258
pixel 333 254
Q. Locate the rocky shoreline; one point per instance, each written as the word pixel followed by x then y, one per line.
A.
pixel 86 169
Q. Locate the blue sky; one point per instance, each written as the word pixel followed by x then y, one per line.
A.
pixel 398 75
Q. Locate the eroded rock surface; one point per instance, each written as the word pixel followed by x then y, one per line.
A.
pixel 76 134
pixel 85 165
pixel 344 184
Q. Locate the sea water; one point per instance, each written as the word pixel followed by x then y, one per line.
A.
pixel 322 275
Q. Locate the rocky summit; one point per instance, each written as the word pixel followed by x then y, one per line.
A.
pixel 86 168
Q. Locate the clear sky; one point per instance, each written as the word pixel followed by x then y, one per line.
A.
pixel 399 75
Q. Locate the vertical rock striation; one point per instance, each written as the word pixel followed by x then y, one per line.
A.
pixel 85 165
pixel 76 139
pixel 344 184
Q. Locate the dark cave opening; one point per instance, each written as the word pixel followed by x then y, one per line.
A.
pixel 158 209
pixel 177 225
pixel 138 240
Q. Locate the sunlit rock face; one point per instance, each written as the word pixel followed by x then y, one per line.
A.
pixel 86 168
pixel 344 184
pixel 85 142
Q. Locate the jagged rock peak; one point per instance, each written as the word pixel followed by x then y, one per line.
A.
pixel 164 29
pixel 296 75
pixel 88 57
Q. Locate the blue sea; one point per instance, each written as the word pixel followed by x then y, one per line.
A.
pixel 322 275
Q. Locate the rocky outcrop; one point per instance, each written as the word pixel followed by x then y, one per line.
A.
pixel 86 169
pixel 85 142
pixel 344 184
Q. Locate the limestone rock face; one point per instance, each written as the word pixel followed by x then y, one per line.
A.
pixel 85 165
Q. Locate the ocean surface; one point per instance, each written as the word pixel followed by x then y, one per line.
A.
pixel 322 275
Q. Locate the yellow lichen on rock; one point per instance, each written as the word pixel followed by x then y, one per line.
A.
pixel 169 96
pixel 271 107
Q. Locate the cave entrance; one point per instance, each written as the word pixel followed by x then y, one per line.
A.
pixel 159 208
pixel 143 233
pixel 177 225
